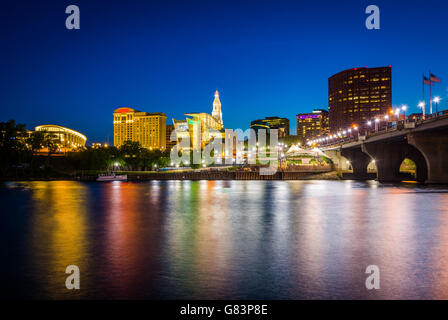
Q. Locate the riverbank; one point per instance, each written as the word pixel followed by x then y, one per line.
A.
pixel 200 175
pixel 236 175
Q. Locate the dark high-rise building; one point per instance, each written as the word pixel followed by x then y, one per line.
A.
pixel 312 125
pixel 357 95
pixel 282 124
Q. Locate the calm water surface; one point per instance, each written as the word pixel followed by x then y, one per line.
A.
pixel 223 239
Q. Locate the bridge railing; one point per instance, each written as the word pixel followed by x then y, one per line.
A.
pixel 385 128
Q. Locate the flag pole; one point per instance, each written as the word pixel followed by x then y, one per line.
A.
pixel 430 93
pixel 424 102
pixel 423 108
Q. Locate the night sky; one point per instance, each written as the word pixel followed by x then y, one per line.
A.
pixel 267 58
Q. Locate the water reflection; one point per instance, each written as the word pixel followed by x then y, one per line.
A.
pixel 58 234
pixel 226 239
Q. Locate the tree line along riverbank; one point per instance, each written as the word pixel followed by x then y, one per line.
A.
pixel 21 159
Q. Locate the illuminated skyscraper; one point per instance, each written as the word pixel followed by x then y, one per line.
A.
pixel 281 124
pixel 149 129
pixel 312 125
pixel 206 124
pixel 358 95
pixel 216 113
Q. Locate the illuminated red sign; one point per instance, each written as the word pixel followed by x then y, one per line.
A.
pixel 123 110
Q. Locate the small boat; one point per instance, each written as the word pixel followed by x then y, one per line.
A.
pixel 112 177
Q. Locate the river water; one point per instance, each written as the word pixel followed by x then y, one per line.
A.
pixel 223 239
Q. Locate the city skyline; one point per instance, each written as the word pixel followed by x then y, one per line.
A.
pixel 225 158
pixel 127 67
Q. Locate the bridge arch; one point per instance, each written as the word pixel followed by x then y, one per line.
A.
pixel 408 167
pixel 424 142
pixel 338 161
pixel 389 157
pixel 433 145
pixel 371 167
pixel 421 170
pixel 359 162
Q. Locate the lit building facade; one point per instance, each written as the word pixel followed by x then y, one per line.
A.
pixel 217 113
pixel 149 129
pixel 358 95
pixel 281 124
pixel 170 144
pixel 182 130
pixel 66 139
pixel 312 125
pixel 207 125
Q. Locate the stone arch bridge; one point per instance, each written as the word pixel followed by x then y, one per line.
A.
pixel 424 142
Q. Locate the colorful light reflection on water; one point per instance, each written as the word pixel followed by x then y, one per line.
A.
pixel 223 239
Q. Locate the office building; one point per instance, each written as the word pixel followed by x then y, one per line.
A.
pixel 312 125
pixel 281 124
pixel 358 95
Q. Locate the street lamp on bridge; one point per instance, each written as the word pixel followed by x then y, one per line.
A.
pixel 422 106
pixel 397 113
pixel 377 121
pixel 404 108
pixel 436 100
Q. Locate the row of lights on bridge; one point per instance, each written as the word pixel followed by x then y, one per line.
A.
pixel 344 133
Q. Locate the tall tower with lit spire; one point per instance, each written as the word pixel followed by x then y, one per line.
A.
pixel 217 114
